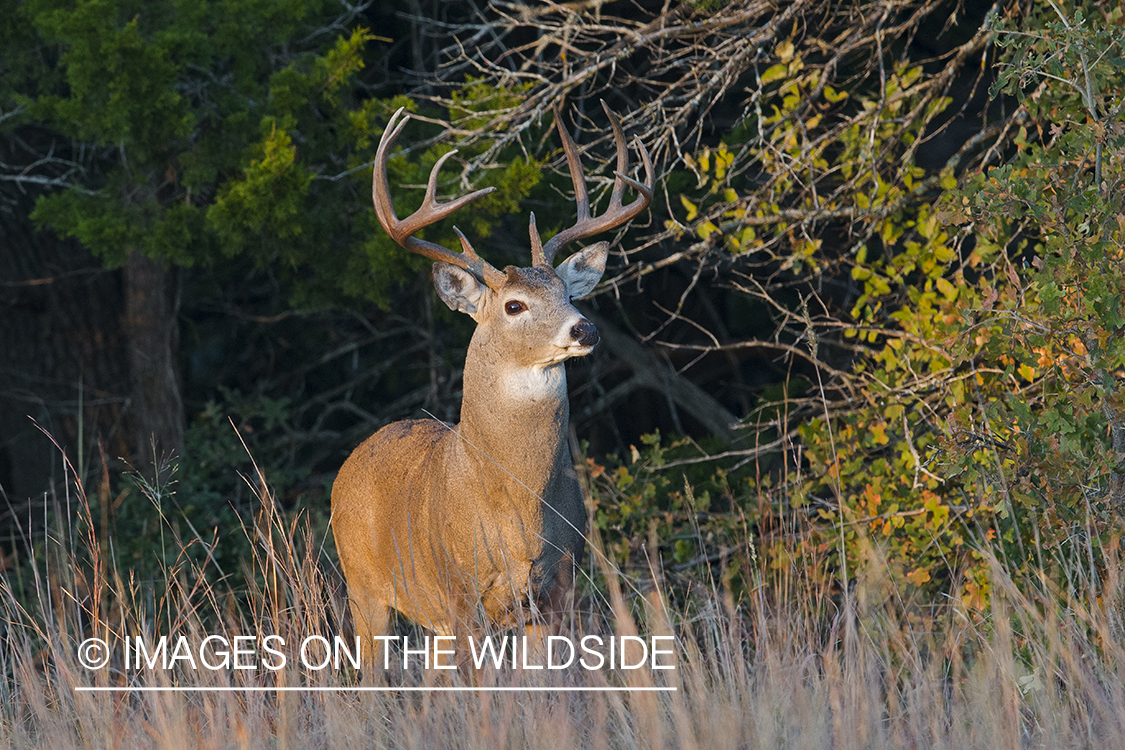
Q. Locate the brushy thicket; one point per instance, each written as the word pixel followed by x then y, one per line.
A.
pixel 978 410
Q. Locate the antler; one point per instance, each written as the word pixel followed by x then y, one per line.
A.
pixel 614 216
pixel 401 231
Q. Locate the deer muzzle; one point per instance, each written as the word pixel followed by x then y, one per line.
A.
pixel 585 333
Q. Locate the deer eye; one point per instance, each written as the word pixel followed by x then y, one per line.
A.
pixel 514 307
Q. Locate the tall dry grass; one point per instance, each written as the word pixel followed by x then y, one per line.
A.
pixel 792 667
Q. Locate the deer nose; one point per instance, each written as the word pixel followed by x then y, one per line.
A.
pixel 585 333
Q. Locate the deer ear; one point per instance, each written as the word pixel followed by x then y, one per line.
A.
pixel 457 288
pixel 582 271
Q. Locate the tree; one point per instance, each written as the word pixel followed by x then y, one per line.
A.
pixel 210 136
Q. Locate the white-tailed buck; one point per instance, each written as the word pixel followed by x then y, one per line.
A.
pixel 446 522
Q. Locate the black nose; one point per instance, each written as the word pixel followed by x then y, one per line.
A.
pixel 585 333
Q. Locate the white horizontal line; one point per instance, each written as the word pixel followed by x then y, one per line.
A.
pixel 360 689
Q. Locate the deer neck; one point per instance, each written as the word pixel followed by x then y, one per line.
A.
pixel 514 421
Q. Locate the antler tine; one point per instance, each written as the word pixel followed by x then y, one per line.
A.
pixel 617 213
pixel 430 212
pixel 537 257
pixel 622 157
pixel 581 197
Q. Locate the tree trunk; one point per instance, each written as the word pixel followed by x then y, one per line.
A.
pixel 151 308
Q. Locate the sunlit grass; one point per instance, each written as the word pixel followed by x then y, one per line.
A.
pixel 790 667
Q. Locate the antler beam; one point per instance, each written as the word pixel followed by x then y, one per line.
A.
pixel 617 213
pixel 431 211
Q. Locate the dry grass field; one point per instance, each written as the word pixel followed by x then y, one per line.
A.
pixel 790 667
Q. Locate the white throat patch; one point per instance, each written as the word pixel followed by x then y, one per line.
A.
pixel 532 383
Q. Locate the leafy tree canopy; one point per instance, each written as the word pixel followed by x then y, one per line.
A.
pixel 224 130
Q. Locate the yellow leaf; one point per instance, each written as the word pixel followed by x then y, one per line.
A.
pixel 947 289
pixel 775 73
pixel 723 160
pixel 834 96
pixel 808 248
pixel 674 226
pixel 785 51
pixel 692 209
pixel 1027 371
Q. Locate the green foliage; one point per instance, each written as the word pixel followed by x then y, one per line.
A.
pixel 1050 255
pixel 229 132
pixel 18 72
pixel 109 227
pixel 271 193
pixel 684 518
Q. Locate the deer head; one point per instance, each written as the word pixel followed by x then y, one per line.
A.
pixel 521 304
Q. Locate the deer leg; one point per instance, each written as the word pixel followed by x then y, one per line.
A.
pixel 550 611
pixel 560 599
pixel 370 618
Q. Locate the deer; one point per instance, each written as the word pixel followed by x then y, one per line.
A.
pixel 485 519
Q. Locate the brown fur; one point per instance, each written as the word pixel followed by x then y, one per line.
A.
pixel 447 522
